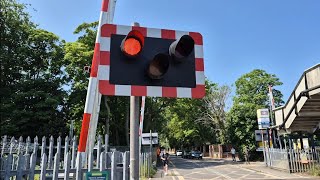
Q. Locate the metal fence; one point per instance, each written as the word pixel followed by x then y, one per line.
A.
pixel 147 165
pixel 292 160
pixel 31 160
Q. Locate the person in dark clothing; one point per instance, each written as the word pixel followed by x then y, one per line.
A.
pixel 165 161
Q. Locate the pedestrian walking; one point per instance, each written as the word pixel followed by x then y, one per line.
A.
pixel 233 153
pixel 165 160
pixel 246 155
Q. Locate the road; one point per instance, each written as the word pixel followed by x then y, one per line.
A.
pixel 189 169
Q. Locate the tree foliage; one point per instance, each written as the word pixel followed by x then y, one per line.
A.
pixel 214 111
pixel 251 94
pixel 195 122
pixel 32 98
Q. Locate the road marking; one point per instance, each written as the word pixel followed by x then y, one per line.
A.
pixel 266 174
pixel 220 174
pixel 176 172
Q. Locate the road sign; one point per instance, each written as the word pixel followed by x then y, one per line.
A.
pixel 146 138
pixel 139 61
pixel 97 175
pixel 263 118
pixel 261 137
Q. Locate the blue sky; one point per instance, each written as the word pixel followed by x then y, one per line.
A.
pixel 281 37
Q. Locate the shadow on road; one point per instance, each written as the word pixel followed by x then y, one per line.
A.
pixel 182 163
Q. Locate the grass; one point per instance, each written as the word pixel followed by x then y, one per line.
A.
pixel 315 170
pixel 144 168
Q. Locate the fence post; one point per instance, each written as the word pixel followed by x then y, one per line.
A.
pixel 145 165
pixel 291 167
pixel 20 145
pixel 309 159
pixel 28 144
pixel 4 143
pixel 33 162
pixel 8 166
pixel 98 151
pixel 43 167
pixel 67 166
pixel 43 145
pixel 35 146
pixel 296 160
pixel 56 166
pixel 11 145
pixel 78 166
pixel 102 161
pixel 66 148
pixel 114 159
pixel 125 165
pixel 59 148
pixel 74 146
pixel 11 152
pixel 21 161
pixel 27 164
pixel 108 159
pixel 313 157
pixel 50 163
pixel 299 160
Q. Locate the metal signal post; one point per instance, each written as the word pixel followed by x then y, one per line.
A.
pixel 134 134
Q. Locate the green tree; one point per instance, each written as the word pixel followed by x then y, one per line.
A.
pixel 214 114
pixel 251 94
pixel 186 122
pixel 32 97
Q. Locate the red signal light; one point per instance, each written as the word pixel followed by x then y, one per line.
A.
pixel 132 47
pixel 132 44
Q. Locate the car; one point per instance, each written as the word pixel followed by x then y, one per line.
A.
pixel 196 155
pixel 186 154
pixel 179 153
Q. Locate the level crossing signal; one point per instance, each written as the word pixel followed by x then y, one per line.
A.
pixel 151 62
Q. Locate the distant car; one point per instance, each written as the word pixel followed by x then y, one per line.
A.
pixel 186 154
pixel 196 155
pixel 179 153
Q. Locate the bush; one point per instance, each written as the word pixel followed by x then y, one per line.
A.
pixel 315 170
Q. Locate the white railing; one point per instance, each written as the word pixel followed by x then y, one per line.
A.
pixel 22 161
pixel 292 160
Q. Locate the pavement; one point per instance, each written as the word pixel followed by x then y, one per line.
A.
pixel 207 168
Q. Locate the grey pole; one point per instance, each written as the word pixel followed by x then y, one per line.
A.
pixel 134 134
pixel 264 149
pixel 134 138
pixel 273 130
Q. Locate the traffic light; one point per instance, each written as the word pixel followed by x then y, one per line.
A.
pixel 132 44
pixel 141 60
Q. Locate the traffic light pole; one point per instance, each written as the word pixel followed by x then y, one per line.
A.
pixel 134 137
pixel 134 134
